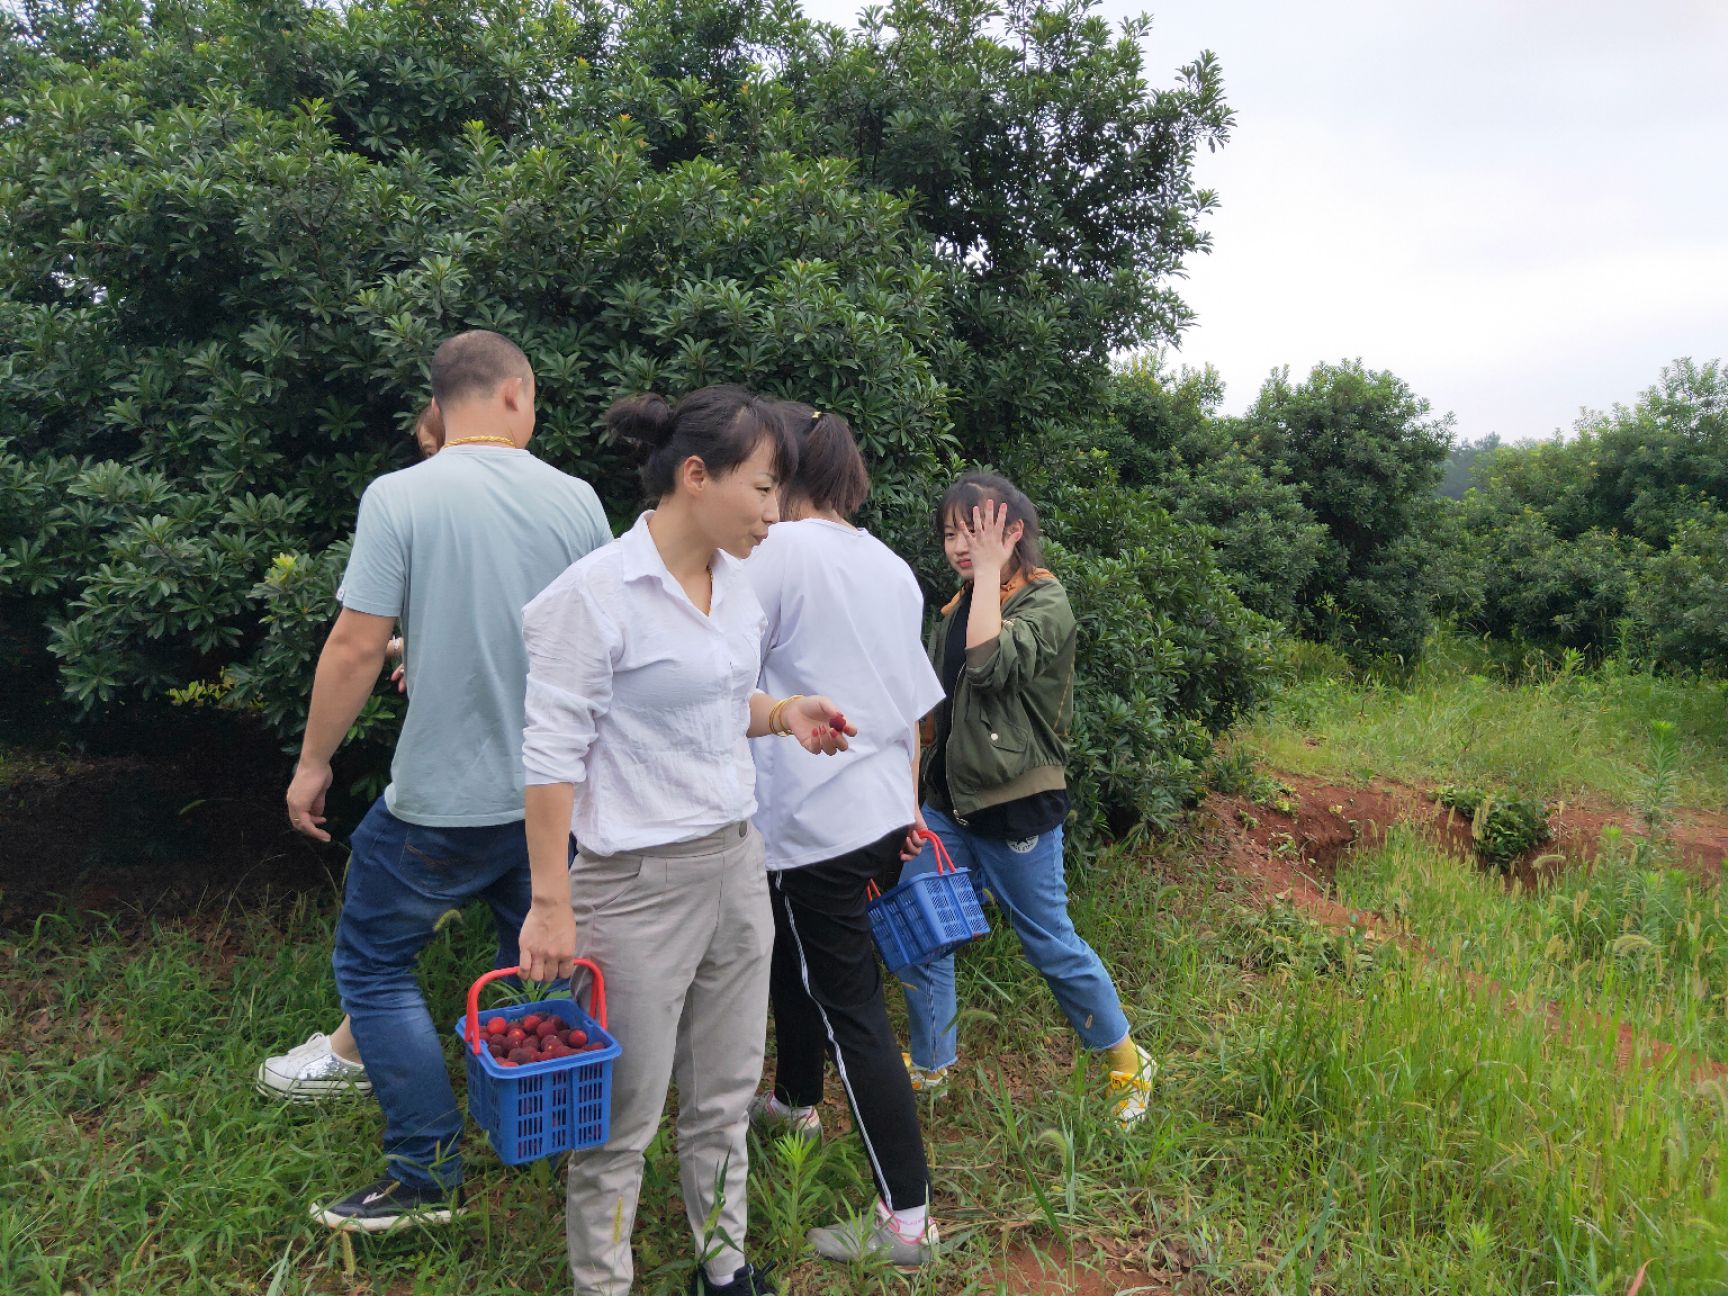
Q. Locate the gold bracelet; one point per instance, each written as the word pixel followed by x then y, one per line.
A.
pixel 776 717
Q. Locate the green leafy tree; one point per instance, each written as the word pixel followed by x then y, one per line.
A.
pixel 1168 656
pixel 1460 471
pixel 235 235
pixel 1679 606
pixel 1165 435
pixel 235 229
pixel 1365 454
pixel 1573 535
pixel 1546 590
pixel 1054 181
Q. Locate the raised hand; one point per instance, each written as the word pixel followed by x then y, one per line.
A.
pixel 991 540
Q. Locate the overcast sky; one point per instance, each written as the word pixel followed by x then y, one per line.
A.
pixel 1519 208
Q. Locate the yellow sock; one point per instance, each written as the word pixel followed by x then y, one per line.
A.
pixel 1124 1057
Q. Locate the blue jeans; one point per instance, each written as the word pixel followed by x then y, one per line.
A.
pixel 403 878
pixel 1029 888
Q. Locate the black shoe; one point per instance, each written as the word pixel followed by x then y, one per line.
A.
pixel 390 1204
pixel 748 1281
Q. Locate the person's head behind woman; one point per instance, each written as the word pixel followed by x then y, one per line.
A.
pixel 830 476
pixel 954 520
pixel 429 430
pixel 715 460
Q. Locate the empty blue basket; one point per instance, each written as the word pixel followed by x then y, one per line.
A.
pixel 539 1109
pixel 926 916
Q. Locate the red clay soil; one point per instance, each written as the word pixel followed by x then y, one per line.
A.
pixel 1294 854
pixel 1040 1271
pixel 1326 820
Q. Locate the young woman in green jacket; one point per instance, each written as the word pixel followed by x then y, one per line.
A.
pixel 993 779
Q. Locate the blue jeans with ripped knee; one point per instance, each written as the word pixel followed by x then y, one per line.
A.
pixel 1027 880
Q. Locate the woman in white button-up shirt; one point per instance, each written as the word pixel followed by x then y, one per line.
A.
pixel 643 663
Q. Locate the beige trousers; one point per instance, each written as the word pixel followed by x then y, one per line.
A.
pixel 683 935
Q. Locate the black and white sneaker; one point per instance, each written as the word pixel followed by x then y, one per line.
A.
pixel 748 1281
pixel 390 1204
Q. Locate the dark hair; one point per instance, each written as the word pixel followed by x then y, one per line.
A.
pixel 720 425
pixel 430 420
pixel 831 472
pixel 475 363
pixel 972 491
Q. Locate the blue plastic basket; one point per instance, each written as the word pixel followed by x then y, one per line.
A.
pixel 539 1109
pixel 926 916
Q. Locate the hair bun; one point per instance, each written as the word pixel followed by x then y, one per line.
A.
pixel 644 419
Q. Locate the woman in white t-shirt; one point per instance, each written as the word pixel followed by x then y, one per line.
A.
pixel 841 606
pixel 643 662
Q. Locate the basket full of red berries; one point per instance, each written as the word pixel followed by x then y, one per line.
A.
pixel 539 1074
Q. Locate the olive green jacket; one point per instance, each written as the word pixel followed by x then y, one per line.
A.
pixel 1013 705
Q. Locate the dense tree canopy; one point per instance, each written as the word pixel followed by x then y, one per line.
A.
pixel 1607 540
pixel 1365 454
pixel 234 230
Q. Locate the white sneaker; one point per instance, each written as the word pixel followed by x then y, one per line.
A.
pixel 1133 1090
pixel 309 1072
pixel 854 1240
pixel 772 1118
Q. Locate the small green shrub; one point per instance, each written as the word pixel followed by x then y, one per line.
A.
pixel 1504 826
pixel 1231 773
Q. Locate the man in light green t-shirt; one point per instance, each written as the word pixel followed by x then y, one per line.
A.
pixel 453 547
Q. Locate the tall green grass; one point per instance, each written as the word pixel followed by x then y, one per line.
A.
pixel 1332 1116
pixel 1466 715
pixel 1626 938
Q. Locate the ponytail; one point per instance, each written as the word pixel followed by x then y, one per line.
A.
pixel 831 472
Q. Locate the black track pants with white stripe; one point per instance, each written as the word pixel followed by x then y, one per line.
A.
pixel 826 988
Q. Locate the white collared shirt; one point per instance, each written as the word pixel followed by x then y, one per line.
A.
pixel 641 701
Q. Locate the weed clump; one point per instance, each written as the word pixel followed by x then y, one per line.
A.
pixel 1503 825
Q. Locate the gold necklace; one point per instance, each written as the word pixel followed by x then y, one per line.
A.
pixel 477 440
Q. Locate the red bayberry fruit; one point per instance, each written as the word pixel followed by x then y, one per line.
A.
pixel 575 1038
pixel 514 1036
pixel 520 1055
pixel 547 1027
pixel 529 1022
pixel 497 1026
pixel 838 721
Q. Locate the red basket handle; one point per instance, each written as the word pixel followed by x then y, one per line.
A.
pixel 596 997
pixel 944 863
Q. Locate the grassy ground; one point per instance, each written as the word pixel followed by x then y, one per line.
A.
pixel 1335 1114
pixel 1465 716
pixel 1629 941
